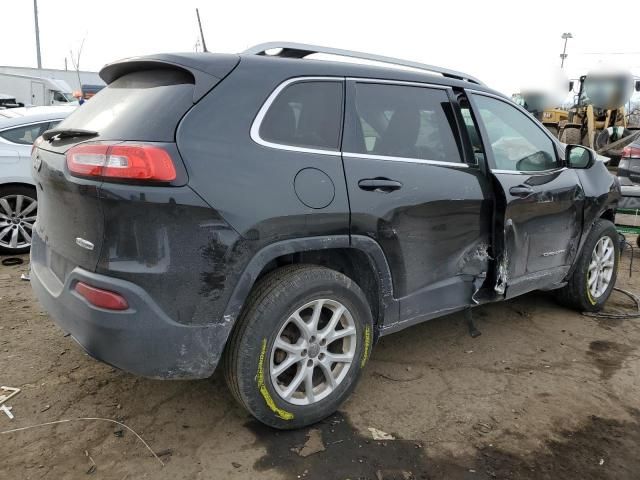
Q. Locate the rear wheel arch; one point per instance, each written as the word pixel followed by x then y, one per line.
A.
pixel 361 259
pixel 18 184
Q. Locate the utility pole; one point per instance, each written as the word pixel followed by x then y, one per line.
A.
pixel 566 36
pixel 35 15
pixel 204 45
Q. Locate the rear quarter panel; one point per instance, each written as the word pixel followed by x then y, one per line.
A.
pixel 15 164
pixel 251 185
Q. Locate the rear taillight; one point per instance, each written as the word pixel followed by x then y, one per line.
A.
pixel 122 161
pixel 631 152
pixel 102 298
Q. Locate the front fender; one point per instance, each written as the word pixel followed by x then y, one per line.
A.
pixel 602 194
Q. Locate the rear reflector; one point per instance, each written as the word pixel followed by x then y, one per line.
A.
pixel 122 161
pixel 102 298
pixel 631 152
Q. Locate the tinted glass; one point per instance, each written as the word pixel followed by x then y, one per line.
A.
pixel 144 105
pixel 472 132
pixel 25 135
pixel 404 121
pixel 306 114
pixel 516 141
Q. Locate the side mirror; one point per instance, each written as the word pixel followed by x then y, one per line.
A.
pixel 571 85
pixel 637 85
pixel 577 156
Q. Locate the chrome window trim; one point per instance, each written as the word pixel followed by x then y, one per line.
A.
pixel 257 122
pixel 529 172
pixel 406 160
pixel 397 82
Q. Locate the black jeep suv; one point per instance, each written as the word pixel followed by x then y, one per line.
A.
pixel 278 214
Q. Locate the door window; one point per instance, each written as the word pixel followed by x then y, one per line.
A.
pixel 306 114
pixel 472 130
pixel 25 135
pixel 517 143
pixel 404 121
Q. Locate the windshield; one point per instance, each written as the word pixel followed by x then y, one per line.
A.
pixel 63 97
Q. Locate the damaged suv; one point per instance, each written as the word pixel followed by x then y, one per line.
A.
pixel 276 215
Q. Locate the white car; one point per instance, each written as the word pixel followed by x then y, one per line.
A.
pixel 19 127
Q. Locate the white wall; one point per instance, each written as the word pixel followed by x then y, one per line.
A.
pixel 69 76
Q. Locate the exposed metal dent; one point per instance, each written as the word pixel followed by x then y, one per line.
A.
pixel 502 276
pixel 555 252
pixel 475 260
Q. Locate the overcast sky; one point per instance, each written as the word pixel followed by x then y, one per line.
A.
pixel 504 44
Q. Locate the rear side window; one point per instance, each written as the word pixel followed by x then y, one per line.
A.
pixel 145 105
pixel 306 114
pixel 405 121
pixel 25 135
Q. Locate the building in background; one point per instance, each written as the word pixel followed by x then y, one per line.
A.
pixel 69 76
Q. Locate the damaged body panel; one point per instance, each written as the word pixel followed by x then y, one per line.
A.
pixel 416 191
pixel 541 230
pixel 543 210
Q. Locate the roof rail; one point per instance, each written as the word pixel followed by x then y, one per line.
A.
pixel 301 50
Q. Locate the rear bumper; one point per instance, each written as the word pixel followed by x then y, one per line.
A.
pixel 142 339
pixel 630 197
pixel 630 190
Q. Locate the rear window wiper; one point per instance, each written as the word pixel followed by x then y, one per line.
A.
pixel 60 133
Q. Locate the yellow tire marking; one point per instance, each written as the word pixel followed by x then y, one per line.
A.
pixel 367 346
pixel 283 414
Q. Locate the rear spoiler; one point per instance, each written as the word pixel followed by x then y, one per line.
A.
pixel 207 69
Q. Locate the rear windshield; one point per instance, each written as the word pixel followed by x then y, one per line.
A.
pixel 145 105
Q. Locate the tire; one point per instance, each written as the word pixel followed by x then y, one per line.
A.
pixel 16 228
pixel 577 293
pixel 571 136
pixel 251 359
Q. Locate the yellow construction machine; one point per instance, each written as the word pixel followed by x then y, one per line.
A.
pixel 598 119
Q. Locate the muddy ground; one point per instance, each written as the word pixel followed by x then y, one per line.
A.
pixel 544 393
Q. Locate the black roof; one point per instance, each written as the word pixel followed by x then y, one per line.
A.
pixel 208 68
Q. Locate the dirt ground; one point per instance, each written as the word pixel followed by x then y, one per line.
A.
pixel 544 393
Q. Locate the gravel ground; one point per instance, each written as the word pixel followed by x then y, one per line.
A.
pixel 544 393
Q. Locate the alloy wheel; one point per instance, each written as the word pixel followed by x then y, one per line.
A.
pixel 601 267
pixel 313 352
pixel 17 216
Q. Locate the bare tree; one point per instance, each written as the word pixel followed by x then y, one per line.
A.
pixel 75 61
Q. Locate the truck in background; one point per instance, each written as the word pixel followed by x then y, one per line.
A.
pixel 36 91
pixel 89 91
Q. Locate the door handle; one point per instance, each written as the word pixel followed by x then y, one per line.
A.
pixel 521 190
pixel 383 185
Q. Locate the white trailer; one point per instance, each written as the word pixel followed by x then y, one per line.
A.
pixel 37 91
pixel 73 78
